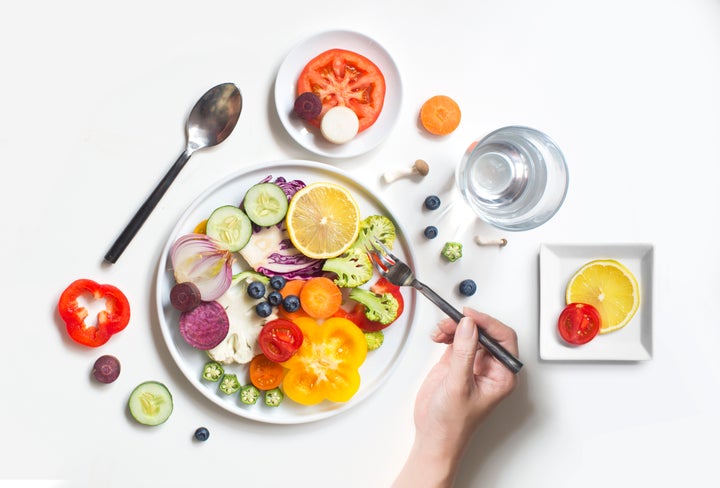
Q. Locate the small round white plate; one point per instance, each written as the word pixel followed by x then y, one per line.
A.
pixel 309 136
pixel 379 364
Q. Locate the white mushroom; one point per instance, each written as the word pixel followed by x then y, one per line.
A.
pixel 493 242
pixel 419 167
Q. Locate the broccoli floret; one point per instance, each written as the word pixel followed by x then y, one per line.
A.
pixel 353 268
pixel 379 307
pixel 375 227
pixel 374 339
pixel 452 251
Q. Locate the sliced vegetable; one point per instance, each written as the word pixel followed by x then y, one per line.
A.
pixel 440 115
pixel 352 268
pixel 307 106
pixel 106 369
pixel 452 251
pixel 265 374
pixel 292 288
pixel 197 258
pixel 326 365
pixel 229 384
pixel 289 187
pixel 320 297
pixel 374 339
pixel 579 323
pixel 265 204
pixel 205 326
pixel 379 307
pixel 249 394
pixel 111 320
pixel 230 226
pixel 279 339
pixel 358 314
pixel 150 403
pixel 375 228
pixel 339 125
pixel 271 252
pixel 274 397
pixel 185 296
pixel 213 371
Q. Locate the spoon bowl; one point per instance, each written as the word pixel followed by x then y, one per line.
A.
pixel 210 122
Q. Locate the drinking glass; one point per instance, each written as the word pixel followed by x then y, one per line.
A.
pixel 515 178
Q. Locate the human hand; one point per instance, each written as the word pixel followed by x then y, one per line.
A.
pixel 457 395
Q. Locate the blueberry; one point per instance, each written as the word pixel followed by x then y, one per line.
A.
pixel 263 309
pixel 275 298
pixel 202 434
pixel 256 289
pixel 430 232
pixel 432 202
pixel 277 282
pixel 467 287
pixel 291 303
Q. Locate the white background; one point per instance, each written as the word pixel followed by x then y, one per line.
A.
pixel 94 100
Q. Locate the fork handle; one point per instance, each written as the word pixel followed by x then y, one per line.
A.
pixel 499 352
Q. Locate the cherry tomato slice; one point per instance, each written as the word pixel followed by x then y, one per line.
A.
pixel 265 374
pixel 345 78
pixel 279 339
pixel 579 323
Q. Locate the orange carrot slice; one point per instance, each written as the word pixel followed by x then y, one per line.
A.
pixel 292 287
pixel 320 297
pixel 440 115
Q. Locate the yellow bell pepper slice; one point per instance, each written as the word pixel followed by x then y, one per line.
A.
pixel 326 365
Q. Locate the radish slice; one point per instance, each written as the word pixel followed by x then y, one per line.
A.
pixel 339 125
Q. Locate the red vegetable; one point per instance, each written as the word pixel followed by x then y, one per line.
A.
pixel 205 326
pixel 357 314
pixel 279 339
pixel 111 320
pixel 579 323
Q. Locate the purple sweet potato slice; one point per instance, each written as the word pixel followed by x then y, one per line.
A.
pixel 205 326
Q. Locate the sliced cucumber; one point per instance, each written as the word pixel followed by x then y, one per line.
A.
pixel 230 226
pixel 265 204
pixel 150 403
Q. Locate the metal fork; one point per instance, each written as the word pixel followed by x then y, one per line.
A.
pixel 400 274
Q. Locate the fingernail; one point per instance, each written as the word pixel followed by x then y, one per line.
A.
pixel 465 328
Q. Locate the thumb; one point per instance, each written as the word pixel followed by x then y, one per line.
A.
pixel 464 348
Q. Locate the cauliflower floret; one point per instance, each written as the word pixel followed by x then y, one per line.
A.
pixel 241 343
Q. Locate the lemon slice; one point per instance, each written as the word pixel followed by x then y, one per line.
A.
pixel 608 286
pixel 323 220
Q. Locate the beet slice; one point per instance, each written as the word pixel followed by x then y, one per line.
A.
pixel 205 326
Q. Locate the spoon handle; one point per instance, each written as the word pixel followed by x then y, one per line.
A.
pixel 146 209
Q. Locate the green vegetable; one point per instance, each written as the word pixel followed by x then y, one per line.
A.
pixel 230 226
pixel 150 403
pixel 212 371
pixel 265 204
pixel 249 394
pixel 375 227
pixel 353 268
pixel 379 307
pixel 452 251
pixel 273 397
pixel 229 384
pixel 374 339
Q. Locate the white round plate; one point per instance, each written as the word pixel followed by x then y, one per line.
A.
pixel 229 191
pixel 309 136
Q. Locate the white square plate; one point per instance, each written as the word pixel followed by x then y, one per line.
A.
pixel 558 263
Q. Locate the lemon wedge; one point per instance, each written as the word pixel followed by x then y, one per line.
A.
pixel 323 220
pixel 610 287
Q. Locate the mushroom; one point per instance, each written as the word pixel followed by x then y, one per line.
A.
pixel 419 167
pixel 494 242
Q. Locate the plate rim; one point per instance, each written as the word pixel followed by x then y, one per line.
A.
pixel 368 139
pixel 162 269
pixel 643 252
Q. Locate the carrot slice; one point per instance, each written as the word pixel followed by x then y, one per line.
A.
pixel 320 297
pixel 292 287
pixel 440 115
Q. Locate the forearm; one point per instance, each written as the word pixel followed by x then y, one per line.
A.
pixel 430 465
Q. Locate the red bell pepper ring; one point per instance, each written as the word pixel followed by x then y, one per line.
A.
pixel 110 321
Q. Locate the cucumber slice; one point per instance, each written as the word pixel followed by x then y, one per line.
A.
pixel 230 226
pixel 265 204
pixel 150 403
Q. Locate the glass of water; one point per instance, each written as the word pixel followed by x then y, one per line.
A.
pixel 515 178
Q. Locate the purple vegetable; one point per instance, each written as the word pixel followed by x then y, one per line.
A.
pixel 205 326
pixel 185 296
pixel 271 253
pixel 289 187
pixel 307 106
pixel 106 369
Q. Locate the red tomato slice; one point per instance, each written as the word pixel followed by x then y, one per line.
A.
pixel 341 77
pixel 279 339
pixel 265 374
pixel 579 323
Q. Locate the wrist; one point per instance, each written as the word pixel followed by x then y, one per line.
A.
pixel 431 463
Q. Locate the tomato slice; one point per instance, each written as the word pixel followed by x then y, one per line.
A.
pixel 265 374
pixel 279 339
pixel 346 78
pixel 579 323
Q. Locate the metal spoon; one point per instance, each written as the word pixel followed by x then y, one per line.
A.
pixel 211 120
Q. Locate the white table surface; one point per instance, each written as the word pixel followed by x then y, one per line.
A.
pixel 94 103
